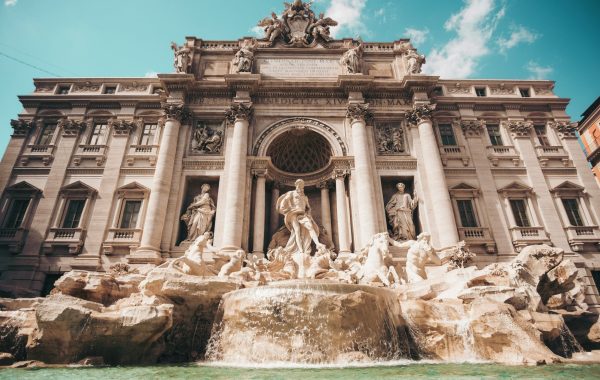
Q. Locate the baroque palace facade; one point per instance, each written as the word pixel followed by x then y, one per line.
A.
pixel 99 171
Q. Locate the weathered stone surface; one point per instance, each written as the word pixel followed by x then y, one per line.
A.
pixel 6 358
pixel 554 332
pixel 104 288
pixel 29 364
pixel 16 326
pixel 502 294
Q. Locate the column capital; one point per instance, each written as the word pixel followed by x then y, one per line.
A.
pixel 239 111
pixel 259 173
pixel 339 173
pixel 359 112
pixel 519 128
pixel 70 127
pixel 564 128
pixel 21 127
pixel 420 113
pixel 472 128
pixel 323 185
pixel 176 111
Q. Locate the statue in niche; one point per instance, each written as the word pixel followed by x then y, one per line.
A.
pixel 414 61
pixel 244 59
pixel 296 210
pixel 182 60
pixel 207 140
pixel 390 140
pixel 420 252
pixel 351 61
pixel 199 214
pixel 400 209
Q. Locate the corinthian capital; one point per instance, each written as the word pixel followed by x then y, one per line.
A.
pixel 519 128
pixel 359 111
pixel 176 111
pixel 420 113
pixel 472 128
pixel 21 127
pixel 70 127
pixel 565 129
pixel 239 111
pixel 123 127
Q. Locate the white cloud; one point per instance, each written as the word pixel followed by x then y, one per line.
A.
pixel 474 26
pixel 10 3
pixel 537 71
pixel 348 14
pixel 151 74
pixel 416 36
pixel 518 34
pixel 258 31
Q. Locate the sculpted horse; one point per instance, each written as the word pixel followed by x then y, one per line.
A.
pixel 375 268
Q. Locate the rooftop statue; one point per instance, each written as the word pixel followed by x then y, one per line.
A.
pixel 244 59
pixel 351 61
pixel 182 59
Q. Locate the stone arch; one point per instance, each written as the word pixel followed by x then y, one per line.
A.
pixel 51 114
pixel 282 126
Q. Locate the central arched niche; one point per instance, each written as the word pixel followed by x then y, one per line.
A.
pixel 300 151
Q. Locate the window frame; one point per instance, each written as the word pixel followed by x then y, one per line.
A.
pixel 471 203
pixel 74 191
pixel 499 136
pixel 448 127
pixel 124 203
pixel 66 208
pixel 480 90
pixel 102 137
pixel 151 141
pixel 526 91
pixel 50 138
pixel 526 212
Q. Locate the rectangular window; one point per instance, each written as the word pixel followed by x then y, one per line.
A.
pixel 519 210
pixel 97 137
pixel 467 213
pixel 572 208
pixel 480 91
pixel 110 89
pixel 147 137
pixel 447 134
pixel 524 92
pixel 540 133
pixel 73 213
pixel 131 210
pixel 63 90
pixel 45 137
pixel 16 213
pixel 495 135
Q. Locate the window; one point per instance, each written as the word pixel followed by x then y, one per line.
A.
pixel 480 91
pixel 147 137
pixel 467 213
pixel 495 135
pixel 63 90
pixel 438 91
pixel 73 213
pixel 524 92
pixel 45 137
pixel 157 90
pixel 540 133
pixel 572 209
pixel 98 134
pixel 16 213
pixel 519 210
pixel 447 134
pixel 110 89
pixel 131 210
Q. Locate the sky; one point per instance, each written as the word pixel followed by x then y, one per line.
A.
pixel 500 39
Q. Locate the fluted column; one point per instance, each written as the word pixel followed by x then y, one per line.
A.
pixel 258 240
pixel 149 250
pixel 358 113
pixel 342 211
pixel 274 217
pixel 235 162
pixel 436 178
pixel 325 207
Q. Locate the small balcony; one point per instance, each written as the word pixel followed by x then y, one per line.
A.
pixel 71 238
pixel 454 152
pixel 90 152
pixel 477 236
pixel 122 239
pixel 580 235
pixel 497 153
pixel 524 236
pixel 546 154
pixel 44 153
pixel 13 238
pixel 142 152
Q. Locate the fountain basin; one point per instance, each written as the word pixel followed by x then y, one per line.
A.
pixel 309 322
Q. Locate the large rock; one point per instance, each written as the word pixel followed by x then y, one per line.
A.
pixel 104 288
pixel 70 329
pixel 554 332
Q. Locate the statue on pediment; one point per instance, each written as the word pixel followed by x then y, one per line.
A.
pixel 414 61
pixel 320 28
pixel 182 59
pixel 273 27
pixel 244 59
pixel 351 61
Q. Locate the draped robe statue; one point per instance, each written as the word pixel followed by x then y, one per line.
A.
pixel 400 213
pixel 199 214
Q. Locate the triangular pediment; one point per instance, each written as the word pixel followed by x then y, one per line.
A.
pixel 516 186
pixel 568 185
pixel 78 187
pixel 463 186
pixel 135 186
pixel 23 186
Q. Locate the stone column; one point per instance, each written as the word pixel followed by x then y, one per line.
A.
pixel 258 240
pixel 342 211
pixel 436 178
pixel 149 250
pixel 274 216
pixel 21 129
pixel 235 162
pixel 325 207
pixel 358 113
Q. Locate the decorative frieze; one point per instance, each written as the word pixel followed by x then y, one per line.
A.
pixel 390 139
pixel 420 113
pixel 21 127
pixel 44 87
pixel 123 127
pixel 359 111
pixel 133 87
pixel 565 129
pixel 176 111
pixel 519 128
pixel 472 128
pixel 458 88
pixel 71 128
pixel 241 111
pixel 502 90
pixel 203 165
pixel 86 87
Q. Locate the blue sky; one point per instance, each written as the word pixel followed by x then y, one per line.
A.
pixel 511 39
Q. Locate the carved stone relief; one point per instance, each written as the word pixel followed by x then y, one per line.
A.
pixel 390 139
pixel 207 139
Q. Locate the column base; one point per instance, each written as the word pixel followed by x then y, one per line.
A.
pixel 230 249
pixel 145 255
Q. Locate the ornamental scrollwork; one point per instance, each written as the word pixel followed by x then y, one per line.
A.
pixel 565 129
pixel 123 127
pixel 472 128
pixel 239 111
pixel 420 113
pixel 519 128
pixel 21 127
pixel 390 139
pixel 359 111
pixel 71 128
pixel 176 111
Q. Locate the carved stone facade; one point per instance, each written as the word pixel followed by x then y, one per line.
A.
pixel 104 178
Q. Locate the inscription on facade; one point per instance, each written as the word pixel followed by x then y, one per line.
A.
pixel 290 67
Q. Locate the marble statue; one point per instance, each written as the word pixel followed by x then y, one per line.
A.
pixel 400 209
pixel 320 28
pixel 207 140
pixel 273 27
pixel 296 210
pixel 183 59
pixel 420 252
pixel 192 262
pixel 377 266
pixel 414 61
pixel 199 214
pixel 234 264
pixel 351 61
pixel 244 59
